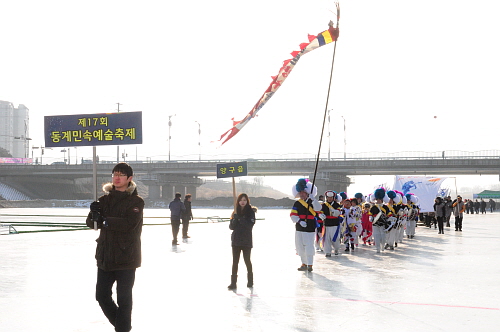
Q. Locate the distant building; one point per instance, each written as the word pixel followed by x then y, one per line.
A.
pixel 14 129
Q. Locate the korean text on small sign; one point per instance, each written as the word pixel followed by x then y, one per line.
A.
pixel 231 170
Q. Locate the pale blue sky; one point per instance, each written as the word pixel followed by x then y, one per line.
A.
pixel 398 64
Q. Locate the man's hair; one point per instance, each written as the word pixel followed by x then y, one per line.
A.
pixel 178 195
pixel 123 168
pixel 187 196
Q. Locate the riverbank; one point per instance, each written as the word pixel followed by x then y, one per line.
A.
pixel 218 202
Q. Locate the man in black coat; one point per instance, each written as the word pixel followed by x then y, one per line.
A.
pixel 119 216
pixel 176 209
pixel 187 215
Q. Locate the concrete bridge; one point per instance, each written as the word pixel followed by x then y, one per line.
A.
pixel 163 178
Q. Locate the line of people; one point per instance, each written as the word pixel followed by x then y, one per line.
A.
pixel 381 219
pixel 479 206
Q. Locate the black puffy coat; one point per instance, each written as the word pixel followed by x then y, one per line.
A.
pixel 242 225
pixel 119 243
pixel 187 214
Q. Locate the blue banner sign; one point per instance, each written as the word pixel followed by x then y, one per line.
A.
pixel 93 129
pixel 231 170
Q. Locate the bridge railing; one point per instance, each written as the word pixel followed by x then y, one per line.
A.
pixel 336 156
pixel 373 155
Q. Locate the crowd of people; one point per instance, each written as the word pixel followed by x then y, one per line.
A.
pixel 381 219
pixel 479 206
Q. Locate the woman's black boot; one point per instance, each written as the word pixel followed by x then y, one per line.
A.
pixel 234 278
pixel 250 279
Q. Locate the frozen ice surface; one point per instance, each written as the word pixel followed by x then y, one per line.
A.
pixel 434 282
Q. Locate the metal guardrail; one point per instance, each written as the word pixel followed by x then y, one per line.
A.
pixel 6 229
pixel 372 155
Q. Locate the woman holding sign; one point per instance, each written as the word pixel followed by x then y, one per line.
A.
pixel 241 223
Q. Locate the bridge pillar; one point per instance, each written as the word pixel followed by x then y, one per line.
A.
pixel 154 192
pixel 331 181
pixel 170 184
pixel 191 190
pixel 168 191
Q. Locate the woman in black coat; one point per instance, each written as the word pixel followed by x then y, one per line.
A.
pixel 439 208
pixel 241 224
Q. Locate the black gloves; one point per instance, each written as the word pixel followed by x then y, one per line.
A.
pixel 95 207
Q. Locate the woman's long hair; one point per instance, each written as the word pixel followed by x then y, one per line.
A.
pixel 239 209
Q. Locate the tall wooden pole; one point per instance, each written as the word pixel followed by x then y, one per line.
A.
pixel 234 196
pixel 327 96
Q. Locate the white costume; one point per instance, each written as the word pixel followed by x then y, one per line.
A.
pixel 352 220
pixel 304 216
pixel 413 212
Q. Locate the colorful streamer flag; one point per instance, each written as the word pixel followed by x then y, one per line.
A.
pixel 319 40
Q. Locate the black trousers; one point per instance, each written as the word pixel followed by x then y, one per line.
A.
pixel 185 226
pixel 246 257
pixel 119 314
pixel 176 223
pixel 458 223
pixel 440 221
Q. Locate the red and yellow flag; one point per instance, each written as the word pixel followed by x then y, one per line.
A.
pixel 319 40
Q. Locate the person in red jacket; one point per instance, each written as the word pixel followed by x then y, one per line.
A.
pixel 367 225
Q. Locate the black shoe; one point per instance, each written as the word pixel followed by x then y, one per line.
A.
pixel 302 268
pixel 396 244
pixel 328 255
pixel 234 279
pixel 309 268
pixel 346 249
